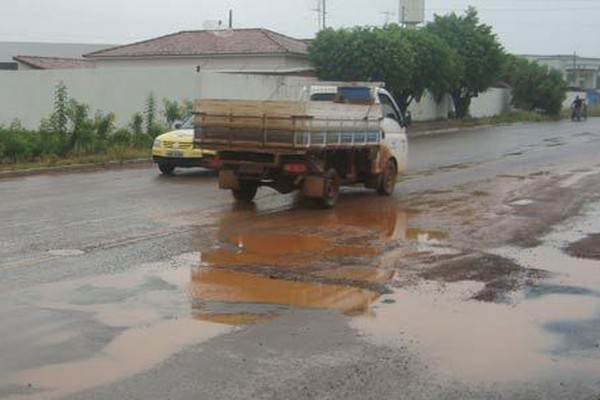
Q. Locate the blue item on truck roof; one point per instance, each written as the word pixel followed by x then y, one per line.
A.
pixel 353 94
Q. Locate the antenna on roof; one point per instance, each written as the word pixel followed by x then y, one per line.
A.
pixel 231 18
pixel 210 24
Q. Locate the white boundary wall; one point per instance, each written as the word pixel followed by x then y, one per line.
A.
pixel 494 101
pixel 428 109
pixel 29 95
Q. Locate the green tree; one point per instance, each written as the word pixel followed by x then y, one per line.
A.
pixel 137 124
pixel 480 55
pixel 188 106
pixel 364 54
pixel 104 123
pixel 82 136
pixel 408 61
pixel 535 87
pixel 437 67
pixel 173 111
pixel 140 139
pixel 150 115
pixel 60 118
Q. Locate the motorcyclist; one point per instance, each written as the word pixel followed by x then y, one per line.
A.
pixel 576 108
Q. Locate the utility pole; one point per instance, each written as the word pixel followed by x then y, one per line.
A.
pixel 322 12
pixel 575 72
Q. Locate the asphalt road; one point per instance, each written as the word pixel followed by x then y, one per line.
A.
pixel 126 284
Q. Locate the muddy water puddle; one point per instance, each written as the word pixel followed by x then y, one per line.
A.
pixel 546 325
pixel 146 315
pixel 260 266
pixel 264 264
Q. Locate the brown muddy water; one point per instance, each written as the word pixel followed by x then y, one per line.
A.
pixel 261 265
pixel 541 319
pixel 546 324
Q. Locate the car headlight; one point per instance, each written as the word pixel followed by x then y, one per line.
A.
pixel 157 143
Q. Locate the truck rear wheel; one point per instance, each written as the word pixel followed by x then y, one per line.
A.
pixel 388 179
pixel 331 189
pixel 246 192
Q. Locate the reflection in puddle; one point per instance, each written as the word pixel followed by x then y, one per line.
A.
pixel 279 245
pixel 305 237
pixel 213 284
pixel 337 253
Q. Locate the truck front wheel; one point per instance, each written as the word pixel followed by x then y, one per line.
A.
pixel 331 189
pixel 246 192
pixel 388 179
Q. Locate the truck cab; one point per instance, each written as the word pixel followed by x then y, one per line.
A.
pixel 393 122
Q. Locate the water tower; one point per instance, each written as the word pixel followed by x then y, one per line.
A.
pixel 412 12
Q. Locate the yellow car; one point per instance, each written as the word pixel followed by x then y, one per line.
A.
pixel 176 149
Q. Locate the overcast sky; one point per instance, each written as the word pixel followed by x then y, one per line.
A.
pixel 523 26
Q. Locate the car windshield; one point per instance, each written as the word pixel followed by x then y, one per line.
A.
pixel 188 123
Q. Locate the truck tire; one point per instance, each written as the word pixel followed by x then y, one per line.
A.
pixel 246 192
pixel 388 179
pixel 166 169
pixel 331 189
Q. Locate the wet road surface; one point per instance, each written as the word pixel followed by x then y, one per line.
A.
pixel 479 278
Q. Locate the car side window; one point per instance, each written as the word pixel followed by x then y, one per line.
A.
pixel 388 109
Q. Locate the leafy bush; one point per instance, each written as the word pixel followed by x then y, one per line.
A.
pixel 122 137
pixel 18 144
pixel 137 123
pixel 141 141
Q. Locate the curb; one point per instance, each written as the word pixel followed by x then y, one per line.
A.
pixel 135 163
pixel 431 132
pixel 447 130
pixel 143 162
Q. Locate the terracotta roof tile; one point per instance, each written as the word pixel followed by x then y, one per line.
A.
pixel 198 43
pixel 55 62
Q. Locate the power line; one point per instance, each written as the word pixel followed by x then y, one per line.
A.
pixel 527 9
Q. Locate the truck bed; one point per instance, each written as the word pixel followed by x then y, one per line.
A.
pixel 287 125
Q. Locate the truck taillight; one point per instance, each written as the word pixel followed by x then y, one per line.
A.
pixel 295 168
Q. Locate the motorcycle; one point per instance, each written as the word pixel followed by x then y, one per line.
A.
pixel 576 114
